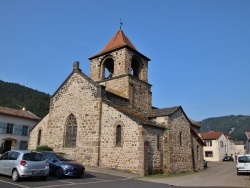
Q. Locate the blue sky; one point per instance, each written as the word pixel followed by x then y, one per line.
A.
pixel 199 49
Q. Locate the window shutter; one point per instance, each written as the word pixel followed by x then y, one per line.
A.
pixel 3 127
pixel 18 129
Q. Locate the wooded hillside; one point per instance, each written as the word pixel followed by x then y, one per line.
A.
pixel 233 125
pixel 16 96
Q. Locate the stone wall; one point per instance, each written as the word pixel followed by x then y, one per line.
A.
pixel 198 155
pixel 43 126
pixel 129 155
pixel 179 138
pixel 78 97
pixel 154 159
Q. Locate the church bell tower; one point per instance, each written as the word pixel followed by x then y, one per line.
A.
pixel 123 71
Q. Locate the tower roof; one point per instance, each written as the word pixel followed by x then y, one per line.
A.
pixel 119 40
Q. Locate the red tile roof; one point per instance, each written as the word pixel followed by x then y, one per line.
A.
pixel 211 135
pixel 119 40
pixel 229 137
pixel 19 113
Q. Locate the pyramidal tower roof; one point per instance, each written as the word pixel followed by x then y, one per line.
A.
pixel 119 40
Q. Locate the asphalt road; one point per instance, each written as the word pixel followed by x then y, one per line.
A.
pixel 218 174
pixel 90 180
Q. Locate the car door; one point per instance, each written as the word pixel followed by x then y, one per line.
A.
pixel 3 161
pixel 52 159
pixel 11 162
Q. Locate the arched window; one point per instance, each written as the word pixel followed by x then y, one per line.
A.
pixel 135 68
pixel 158 142
pixel 39 137
pixel 180 138
pixel 108 68
pixel 118 135
pixel 221 144
pixel 71 131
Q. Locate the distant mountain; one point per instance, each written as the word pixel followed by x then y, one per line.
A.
pixel 16 96
pixel 233 125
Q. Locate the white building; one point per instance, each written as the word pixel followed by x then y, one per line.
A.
pixel 230 146
pixel 14 128
pixel 216 146
pixel 248 142
pixel 240 148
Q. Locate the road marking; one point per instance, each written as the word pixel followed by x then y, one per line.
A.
pixel 66 181
pixel 102 181
pixel 13 184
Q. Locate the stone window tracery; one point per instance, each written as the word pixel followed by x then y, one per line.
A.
pixel 71 131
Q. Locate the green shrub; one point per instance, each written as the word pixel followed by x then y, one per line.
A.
pixel 44 148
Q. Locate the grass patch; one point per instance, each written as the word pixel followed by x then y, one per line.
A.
pixel 170 175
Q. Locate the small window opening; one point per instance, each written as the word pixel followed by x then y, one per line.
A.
pixel 39 137
pixel 158 142
pixel 118 135
pixel 198 153
pixel 180 138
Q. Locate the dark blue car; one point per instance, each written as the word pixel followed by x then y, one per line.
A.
pixel 61 165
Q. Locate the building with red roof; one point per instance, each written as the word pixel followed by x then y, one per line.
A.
pixel 14 128
pixel 217 145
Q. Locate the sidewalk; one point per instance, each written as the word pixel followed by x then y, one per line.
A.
pixel 110 171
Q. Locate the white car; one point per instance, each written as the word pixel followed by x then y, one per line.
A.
pixel 24 163
pixel 243 164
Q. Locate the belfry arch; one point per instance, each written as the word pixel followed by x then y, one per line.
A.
pixel 135 67
pixel 107 68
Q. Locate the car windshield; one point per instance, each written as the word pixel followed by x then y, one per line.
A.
pixel 64 157
pixel 244 159
pixel 33 157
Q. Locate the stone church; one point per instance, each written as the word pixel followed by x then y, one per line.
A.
pixel 108 120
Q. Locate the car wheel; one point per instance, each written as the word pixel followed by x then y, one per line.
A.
pixel 59 173
pixel 43 177
pixel 15 176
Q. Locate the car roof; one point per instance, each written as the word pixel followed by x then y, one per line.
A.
pixel 24 151
pixel 51 152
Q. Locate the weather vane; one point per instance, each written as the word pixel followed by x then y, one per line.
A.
pixel 121 24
